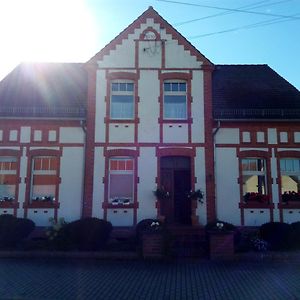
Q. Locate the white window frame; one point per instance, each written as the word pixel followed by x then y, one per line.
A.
pixel 289 172
pixel 119 92
pixel 256 173
pixel 119 200
pixel 10 159
pixel 174 93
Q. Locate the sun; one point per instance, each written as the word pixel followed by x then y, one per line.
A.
pixel 46 30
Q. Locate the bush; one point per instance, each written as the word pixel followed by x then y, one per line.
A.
pixel 13 230
pixel 276 234
pixel 87 234
pixel 294 238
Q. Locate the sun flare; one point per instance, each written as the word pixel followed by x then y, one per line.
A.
pixel 48 30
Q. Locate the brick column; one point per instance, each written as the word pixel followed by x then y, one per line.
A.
pixel 209 145
pixel 87 206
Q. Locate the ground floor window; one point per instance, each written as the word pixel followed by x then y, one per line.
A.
pixel 8 178
pixel 254 177
pixel 121 180
pixel 290 179
pixel 44 178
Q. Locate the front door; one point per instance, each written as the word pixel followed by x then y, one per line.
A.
pixel 176 179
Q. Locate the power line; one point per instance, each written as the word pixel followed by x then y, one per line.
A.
pixel 249 26
pixel 253 5
pixel 230 9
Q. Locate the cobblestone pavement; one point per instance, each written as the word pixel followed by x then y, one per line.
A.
pixel 96 279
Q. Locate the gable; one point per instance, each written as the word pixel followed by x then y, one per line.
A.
pixel 167 43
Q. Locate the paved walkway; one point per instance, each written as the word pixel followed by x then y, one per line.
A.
pixel 96 279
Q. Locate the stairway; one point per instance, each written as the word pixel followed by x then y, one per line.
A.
pixel 187 241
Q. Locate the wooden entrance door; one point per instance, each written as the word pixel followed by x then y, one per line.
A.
pixel 176 179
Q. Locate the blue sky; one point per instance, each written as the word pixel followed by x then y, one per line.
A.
pixel 74 30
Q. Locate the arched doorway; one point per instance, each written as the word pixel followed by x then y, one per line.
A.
pixel 175 177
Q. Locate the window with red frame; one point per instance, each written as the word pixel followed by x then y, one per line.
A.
pixel 44 178
pixel 8 178
pixel 290 179
pixel 254 180
pixel 121 180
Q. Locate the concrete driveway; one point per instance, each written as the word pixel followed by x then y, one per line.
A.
pixel 98 279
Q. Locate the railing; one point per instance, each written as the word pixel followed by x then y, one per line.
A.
pixel 256 113
pixel 42 111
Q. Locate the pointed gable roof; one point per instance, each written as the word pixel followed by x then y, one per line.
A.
pixel 150 13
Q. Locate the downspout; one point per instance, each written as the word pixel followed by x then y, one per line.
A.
pixel 215 163
pixel 83 127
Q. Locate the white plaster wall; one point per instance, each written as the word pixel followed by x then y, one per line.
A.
pixel 228 190
pixel 120 217
pixel 100 106
pixel 291 215
pixel 71 187
pixel 148 130
pixel 197 107
pixel 71 135
pixel 275 187
pixel 121 133
pixel 22 185
pixel 177 57
pixel 201 184
pixel 272 136
pixel 40 216
pixel 7 211
pixel 228 136
pixel 175 133
pixel 150 54
pixel 25 135
pixel 256 217
pixel 98 192
pixel 122 57
pixel 147 172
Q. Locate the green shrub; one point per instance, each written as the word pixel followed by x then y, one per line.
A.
pixel 276 234
pixel 87 234
pixel 13 230
pixel 294 238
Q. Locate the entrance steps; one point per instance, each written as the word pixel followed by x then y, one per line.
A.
pixel 188 240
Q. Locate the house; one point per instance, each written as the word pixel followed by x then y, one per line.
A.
pixel 149 110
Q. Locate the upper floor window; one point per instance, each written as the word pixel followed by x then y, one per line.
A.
pixel 44 178
pixel 122 100
pixel 175 100
pixel 8 178
pixel 290 179
pixel 254 179
pixel 121 180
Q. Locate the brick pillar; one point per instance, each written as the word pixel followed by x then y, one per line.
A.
pixel 90 142
pixel 209 145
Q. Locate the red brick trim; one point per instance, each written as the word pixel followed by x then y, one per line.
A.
pixel 288 154
pixel 87 206
pixel 209 147
pixel 157 35
pixel 27 203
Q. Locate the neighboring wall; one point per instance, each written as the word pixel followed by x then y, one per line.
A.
pixel 28 139
pixel 269 141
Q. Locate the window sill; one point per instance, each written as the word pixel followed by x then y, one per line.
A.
pixel 289 205
pixel 255 205
pixel 122 206
pixel 41 204
pixel 9 204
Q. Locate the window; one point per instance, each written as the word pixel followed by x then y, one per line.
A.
pixel 290 179
pixel 8 178
pixel 121 180
pixel 122 100
pixel 44 178
pixel 254 179
pixel 175 104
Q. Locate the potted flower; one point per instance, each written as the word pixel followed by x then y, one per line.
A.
pixel 196 195
pixel 161 194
